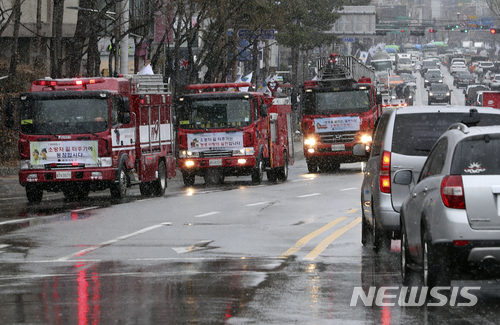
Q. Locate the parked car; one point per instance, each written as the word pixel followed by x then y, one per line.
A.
pixel 495 82
pixel 470 93
pixel 463 79
pixel 456 67
pixel 402 140
pixel 432 77
pixel 450 223
pixel 439 93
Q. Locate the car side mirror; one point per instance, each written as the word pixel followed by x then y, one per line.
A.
pixel 378 99
pixel 403 177
pixel 359 150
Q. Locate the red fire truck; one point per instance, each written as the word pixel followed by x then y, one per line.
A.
pixel 86 134
pixel 223 131
pixel 339 109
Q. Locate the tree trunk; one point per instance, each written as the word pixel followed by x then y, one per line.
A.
pixel 56 44
pixel 14 57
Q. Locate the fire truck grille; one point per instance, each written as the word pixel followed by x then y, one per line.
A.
pixel 337 137
pixel 216 153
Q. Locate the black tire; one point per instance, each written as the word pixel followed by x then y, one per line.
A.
pixel 282 172
pixel 312 167
pixel 34 193
pixel 188 179
pixel 380 238
pixel 159 186
pixel 146 189
pixel 271 176
pixel 119 190
pixel 365 228
pixel 258 172
pixel 405 270
pixel 434 270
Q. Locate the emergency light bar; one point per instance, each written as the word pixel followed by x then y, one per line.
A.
pixel 200 87
pixel 67 82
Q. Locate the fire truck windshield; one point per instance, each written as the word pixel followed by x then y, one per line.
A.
pixel 214 113
pixel 64 116
pixel 337 102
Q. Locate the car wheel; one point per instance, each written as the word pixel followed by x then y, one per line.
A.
pixel 434 270
pixel 405 270
pixel 283 171
pixel 145 189
pixel 34 193
pixel 119 190
pixel 188 179
pixel 312 167
pixel 380 238
pixel 160 184
pixel 258 172
pixel 365 228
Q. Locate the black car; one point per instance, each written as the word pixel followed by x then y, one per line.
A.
pixel 464 79
pixel 426 65
pixel 470 93
pixel 432 77
pixel 439 93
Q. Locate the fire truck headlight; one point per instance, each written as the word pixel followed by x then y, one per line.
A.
pixel 310 150
pixel 242 161
pixel 189 163
pixel 25 164
pixel 106 162
pixel 32 177
pixel 310 141
pixel 187 154
pixel 366 138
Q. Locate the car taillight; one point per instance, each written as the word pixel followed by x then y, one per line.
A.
pixel 452 192
pixel 385 172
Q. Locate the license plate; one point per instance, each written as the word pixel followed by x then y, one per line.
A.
pixel 63 175
pixel 215 162
pixel 338 147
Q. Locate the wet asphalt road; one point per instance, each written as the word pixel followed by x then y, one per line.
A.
pixel 286 253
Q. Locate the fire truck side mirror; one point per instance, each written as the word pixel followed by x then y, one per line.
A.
pixel 263 110
pixel 124 111
pixel 9 115
pixel 378 99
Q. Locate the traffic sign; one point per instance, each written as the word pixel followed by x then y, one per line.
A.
pixel 348 40
pixel 462 24
pixel 465 17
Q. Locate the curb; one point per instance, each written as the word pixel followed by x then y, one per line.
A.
pixel 9 171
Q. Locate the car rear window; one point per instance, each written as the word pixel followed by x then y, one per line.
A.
pixel 415 134
pixel 478 155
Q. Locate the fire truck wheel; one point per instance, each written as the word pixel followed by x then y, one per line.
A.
pixel 160 184
pixel 119 190
pixel 283 171
pixel 34 193
pixel 145 189
pixel 258 172
pixel 312 167
pixel 271 175
pixel 188 179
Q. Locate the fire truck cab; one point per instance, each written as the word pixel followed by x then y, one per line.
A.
pixel 223 131
pixel 86 134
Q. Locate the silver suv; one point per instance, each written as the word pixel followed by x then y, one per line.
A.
pixel 402 140
pixel 451 220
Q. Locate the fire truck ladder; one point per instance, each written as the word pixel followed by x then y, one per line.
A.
pixel 149 84
pixel 346 70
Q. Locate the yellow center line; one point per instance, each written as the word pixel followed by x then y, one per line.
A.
pixel 304 240
pixel 353 211
pixel 327 241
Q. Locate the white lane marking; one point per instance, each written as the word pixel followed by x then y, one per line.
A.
pixel 206 214
pixel 308 195
pixel 4 246
pixel 349 189
pixel 258 203
pixel 112 241
pixel 21 220
pixel 84 209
